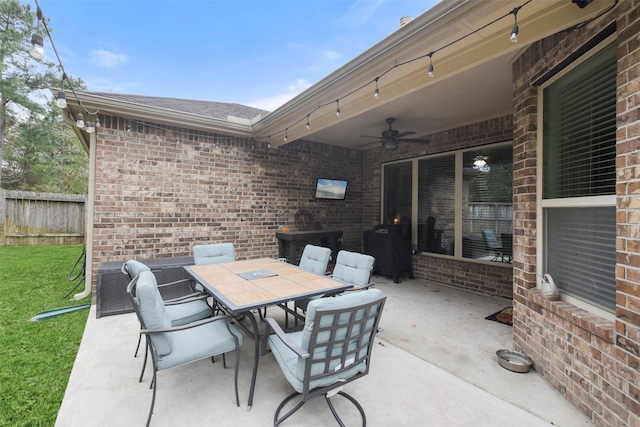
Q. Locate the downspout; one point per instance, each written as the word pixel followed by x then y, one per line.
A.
pixel 89 220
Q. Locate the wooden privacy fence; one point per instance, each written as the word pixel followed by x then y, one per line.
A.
pixel 29 219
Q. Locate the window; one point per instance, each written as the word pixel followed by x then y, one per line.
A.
pixel 453 201
pixel 436 204
pixel 578 179
pixel 397 192
pixel 487 208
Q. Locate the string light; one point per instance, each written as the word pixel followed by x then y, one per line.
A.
pixel 37 51
pixel 61 100
pixel 37 46
pixel 37 42
pixel 90 127
pixel 514 30
pixel 286 131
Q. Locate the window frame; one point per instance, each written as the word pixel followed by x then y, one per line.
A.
pixel 458 204
pixel 580 202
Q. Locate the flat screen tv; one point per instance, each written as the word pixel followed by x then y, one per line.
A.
pixel 331 189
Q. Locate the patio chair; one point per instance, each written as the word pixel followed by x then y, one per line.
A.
pixel 492 244
pixel 333 349
pixel 172 346
pixel 214 253
pixel 186 309
pixel 351 267
pixel 315 259
pixel 507 246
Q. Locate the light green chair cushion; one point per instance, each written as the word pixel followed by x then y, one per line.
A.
pixel 198 343
pixel 214 253
pixel 354 268
pixel 293 367
pixel 152 311
pixel 134 268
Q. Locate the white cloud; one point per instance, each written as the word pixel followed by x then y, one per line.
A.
pixel 101 84
pixel 330 55
pixel 107 59
pixel 272 102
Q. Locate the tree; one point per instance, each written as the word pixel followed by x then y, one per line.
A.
pixel 21 76
pixel 43 154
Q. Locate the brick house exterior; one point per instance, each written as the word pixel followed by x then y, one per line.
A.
pixel 592 361
pixel 161 188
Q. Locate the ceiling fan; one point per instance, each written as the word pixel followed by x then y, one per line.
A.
pixel 390 137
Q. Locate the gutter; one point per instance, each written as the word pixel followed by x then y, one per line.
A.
pixel 89 206
pixel 237 127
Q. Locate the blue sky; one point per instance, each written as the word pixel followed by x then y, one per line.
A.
pixel 253 52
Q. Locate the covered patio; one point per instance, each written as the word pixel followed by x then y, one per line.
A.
pixel 434 363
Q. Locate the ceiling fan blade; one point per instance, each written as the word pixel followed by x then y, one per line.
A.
pixel 367 136
pixel 420 141
pixel 369 144
pixel 403 134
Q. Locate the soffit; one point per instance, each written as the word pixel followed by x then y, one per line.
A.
pixel 473 74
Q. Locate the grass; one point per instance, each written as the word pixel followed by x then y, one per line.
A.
pixel 36 357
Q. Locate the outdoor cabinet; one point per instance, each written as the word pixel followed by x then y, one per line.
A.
pixel 111 292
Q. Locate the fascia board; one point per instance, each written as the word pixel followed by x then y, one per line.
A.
pixel 134 111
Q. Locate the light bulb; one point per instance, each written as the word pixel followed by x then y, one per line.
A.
pixel 376 94
pixel 514 34
pixel 61 100
pixel 90 127
pixel 80 120
pixel 37 49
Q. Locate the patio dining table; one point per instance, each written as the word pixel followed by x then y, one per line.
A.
pixel 244 286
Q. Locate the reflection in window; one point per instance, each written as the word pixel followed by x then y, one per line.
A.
pixel 397 192
pixel 436 204
pixel 487 205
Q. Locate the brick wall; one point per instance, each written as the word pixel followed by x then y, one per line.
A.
pixel 592 361
pixel 477 277
pixel 159 191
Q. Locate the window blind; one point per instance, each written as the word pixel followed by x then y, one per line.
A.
pixel 580 130
pixel 436 204
pixel 397 191
pixel 581 253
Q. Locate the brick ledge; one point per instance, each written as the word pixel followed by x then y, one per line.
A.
pixel 596 325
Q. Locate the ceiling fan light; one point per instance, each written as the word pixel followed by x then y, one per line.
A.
pixel 390 144
pixel 480 161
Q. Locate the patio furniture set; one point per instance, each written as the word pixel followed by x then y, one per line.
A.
pixel 332 348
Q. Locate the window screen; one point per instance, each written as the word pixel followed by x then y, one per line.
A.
pixel 397 192
pixel 436 204
pixel 579 130
pixel 487 208
pixel 579 116
pixel 581 252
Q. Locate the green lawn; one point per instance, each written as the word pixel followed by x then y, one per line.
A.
pixel 36 357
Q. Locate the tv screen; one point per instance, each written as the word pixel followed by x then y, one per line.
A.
pixel 331 189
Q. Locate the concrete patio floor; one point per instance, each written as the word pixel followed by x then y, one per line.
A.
pixel 433 364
